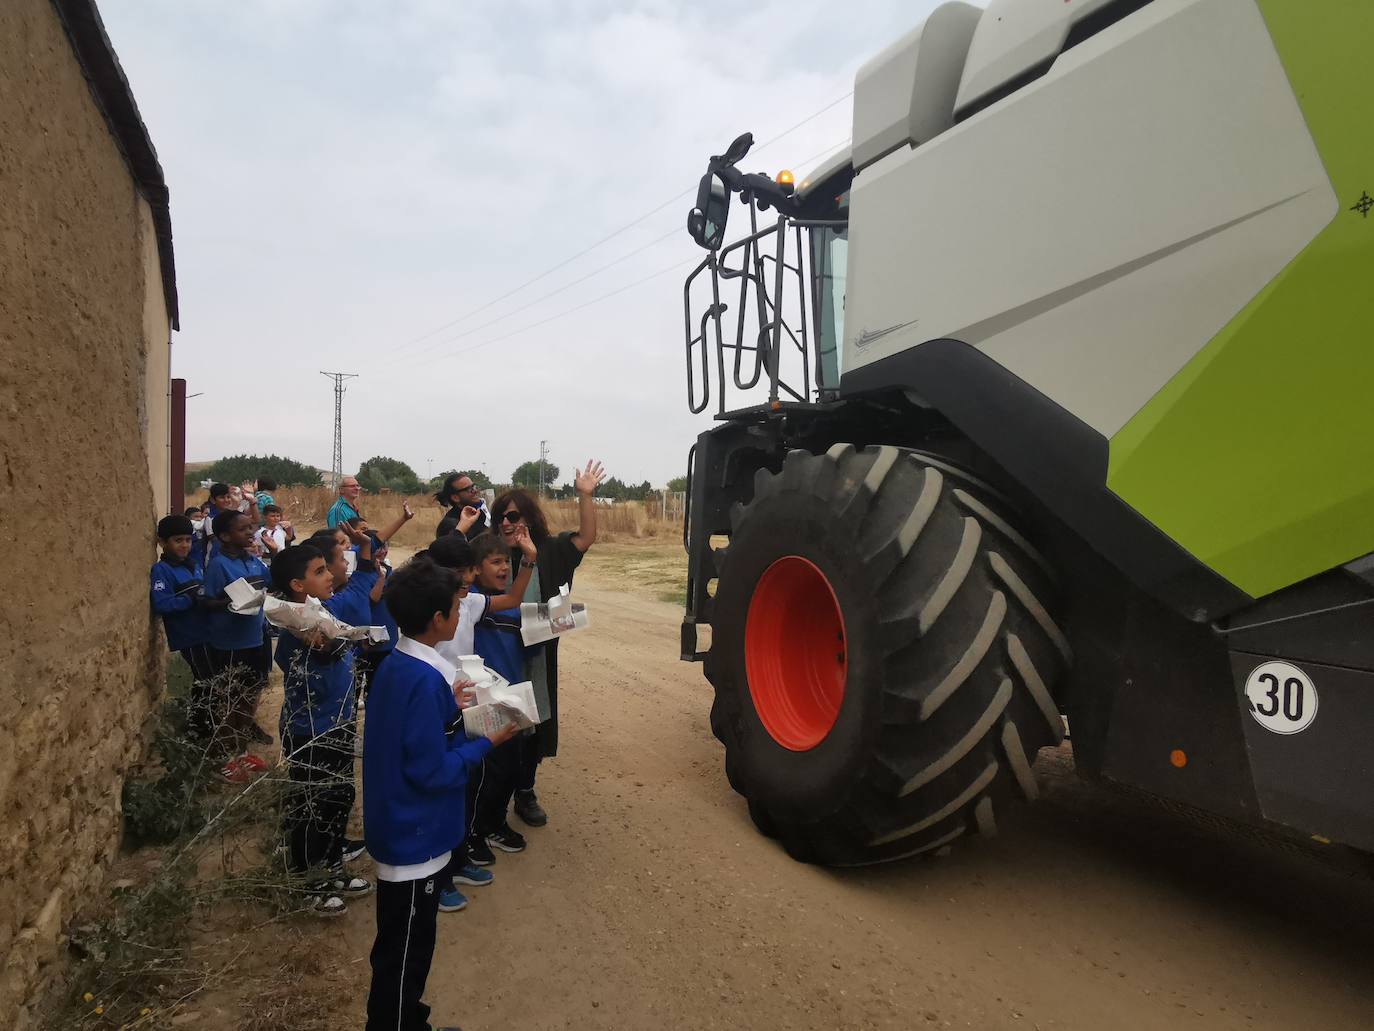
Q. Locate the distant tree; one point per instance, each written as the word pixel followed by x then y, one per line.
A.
pixel 237 468
pixel 527 475
pixel 677 484
pixel 381 473
pixel 480 479
pixel 615 489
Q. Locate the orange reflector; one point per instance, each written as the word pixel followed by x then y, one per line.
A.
pixel 1179 758
pixel 776 406
pixel 785 178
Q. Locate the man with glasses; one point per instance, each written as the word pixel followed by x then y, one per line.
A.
pixel 459 492
pixel 346 507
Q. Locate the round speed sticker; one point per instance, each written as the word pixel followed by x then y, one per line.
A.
pixel 1282 698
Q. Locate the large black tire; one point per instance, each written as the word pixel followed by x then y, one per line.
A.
pixel 950 646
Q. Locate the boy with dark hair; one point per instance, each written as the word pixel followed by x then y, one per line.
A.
pixel 454 552
pixel 317 733
pixel 276 533
pixel 416 763
pixel 351 601
pixel 497 639
pixel 371 656
pixel 239 653
pixel 175 593
pixel 221 501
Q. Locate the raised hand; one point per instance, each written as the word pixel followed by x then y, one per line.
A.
pixel 467 518
pixel 405 509
pixel 521 534
pixel 353 533
pixel 588 479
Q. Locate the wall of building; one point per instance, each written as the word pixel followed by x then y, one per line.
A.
pixel 82 411
pixel 157 377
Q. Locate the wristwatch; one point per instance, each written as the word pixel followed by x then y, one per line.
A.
pixel 526 563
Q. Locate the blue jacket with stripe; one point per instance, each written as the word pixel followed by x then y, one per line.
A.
pixel 174 588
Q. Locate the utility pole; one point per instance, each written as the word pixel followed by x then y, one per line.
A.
pixel 543 461
pixel 338 378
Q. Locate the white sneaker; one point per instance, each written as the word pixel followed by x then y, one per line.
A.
pixel 327 905
pixel 350 886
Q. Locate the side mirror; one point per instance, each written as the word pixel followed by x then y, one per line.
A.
pixel 706 221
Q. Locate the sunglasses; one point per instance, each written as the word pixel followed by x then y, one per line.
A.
pixel 510 516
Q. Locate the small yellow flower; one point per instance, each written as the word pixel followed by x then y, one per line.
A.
pixel 88 997
pixel 99 1010
pixel 144 1011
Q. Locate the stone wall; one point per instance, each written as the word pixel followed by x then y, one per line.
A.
pixel 80 355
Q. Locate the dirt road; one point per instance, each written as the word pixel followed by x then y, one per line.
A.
pixel 650 902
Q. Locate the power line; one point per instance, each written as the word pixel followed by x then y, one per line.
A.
pixel 563 314
pixel 833 148
pixel 544 297
pixel 610 236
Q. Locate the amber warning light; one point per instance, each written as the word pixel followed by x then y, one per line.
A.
pixel 786 180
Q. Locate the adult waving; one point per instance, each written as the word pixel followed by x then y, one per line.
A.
pixel 559 555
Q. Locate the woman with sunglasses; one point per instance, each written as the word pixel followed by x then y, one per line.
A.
pixel 559 556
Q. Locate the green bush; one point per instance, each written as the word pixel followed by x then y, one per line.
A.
pixel 237 468
pixel 381 473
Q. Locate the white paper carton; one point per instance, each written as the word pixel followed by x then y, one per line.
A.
pixel 498 701
pixel 243 599
pixel 309 616
pixel 540 622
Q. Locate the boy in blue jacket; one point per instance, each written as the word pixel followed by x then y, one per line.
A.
pixel 416 761
pixel 497 639
pixel 175 592
pixel 239 653
pixel 352 600
pixel 317 734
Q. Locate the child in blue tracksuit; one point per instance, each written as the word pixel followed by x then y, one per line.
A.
pixel 416 762
pixel 369 658
pixel 496 639
pixel 239 654
pixel 317 736
pixel 175 592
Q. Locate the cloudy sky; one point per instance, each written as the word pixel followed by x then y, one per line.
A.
pixel 348 177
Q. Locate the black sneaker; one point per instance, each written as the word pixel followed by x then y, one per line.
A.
pixel 353 848
pixel 506 839
pixel 479 852
pixel 529 810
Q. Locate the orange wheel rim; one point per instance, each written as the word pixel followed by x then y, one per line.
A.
pixel 795 654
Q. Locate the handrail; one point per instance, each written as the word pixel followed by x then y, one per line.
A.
pixel 764 272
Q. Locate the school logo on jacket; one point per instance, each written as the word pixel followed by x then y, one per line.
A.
pixel 158 585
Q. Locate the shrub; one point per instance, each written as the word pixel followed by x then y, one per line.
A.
pixel 381 473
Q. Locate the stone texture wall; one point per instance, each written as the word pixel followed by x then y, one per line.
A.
pixel 79 354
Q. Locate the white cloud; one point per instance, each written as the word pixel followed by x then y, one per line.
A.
pixel 348 175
